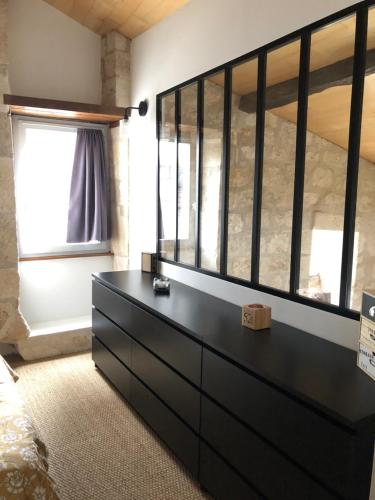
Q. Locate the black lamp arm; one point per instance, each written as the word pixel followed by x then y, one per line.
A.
pixel 142 110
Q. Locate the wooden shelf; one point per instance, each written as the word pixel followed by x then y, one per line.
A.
pixel 51 108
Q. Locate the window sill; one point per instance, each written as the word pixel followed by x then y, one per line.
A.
pixel 60 326
pixel 66 256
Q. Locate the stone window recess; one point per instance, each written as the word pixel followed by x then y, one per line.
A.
pixel 12 324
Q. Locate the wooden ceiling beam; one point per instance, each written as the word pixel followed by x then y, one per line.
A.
pixel 51 108
pixel 283 93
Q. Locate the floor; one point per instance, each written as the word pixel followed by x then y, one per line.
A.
pixel 99 449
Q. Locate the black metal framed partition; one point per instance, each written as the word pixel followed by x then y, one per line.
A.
pixel 220 147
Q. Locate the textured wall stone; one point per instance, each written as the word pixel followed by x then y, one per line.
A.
pixel 12 324
pixel 116 92
pixel 115 70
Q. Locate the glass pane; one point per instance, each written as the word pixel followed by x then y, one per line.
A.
pixel 167 193
pixel 364 242
pixel 280 128
pixel 241 174
pixel 45 160
pixel 187 174
pixel 210 227
pixel 330 89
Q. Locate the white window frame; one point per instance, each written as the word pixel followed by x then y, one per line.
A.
pixel 19 123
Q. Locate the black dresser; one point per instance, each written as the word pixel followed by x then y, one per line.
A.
pixel 277 414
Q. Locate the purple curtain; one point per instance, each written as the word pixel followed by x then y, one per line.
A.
pixel 88 218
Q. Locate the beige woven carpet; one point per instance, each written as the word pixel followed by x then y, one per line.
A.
pixel 99 449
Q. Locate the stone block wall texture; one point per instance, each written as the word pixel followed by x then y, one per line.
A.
pixel 115 61
pixel 324 198
pixel 12 324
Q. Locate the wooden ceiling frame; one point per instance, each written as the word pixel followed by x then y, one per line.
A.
pixel 63 110
pixel 128 17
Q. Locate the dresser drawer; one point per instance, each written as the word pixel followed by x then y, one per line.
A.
pixel 175 348
pixel 182 441
pixel 111 367
pixel 258 462
pixel 112 337
pixel 321 447
pixel 220 480
pixel 175 391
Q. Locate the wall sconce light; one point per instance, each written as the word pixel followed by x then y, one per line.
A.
pixel 142 110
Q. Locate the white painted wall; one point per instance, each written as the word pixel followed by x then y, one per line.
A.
pixel 55 290
pixel 51 55
pixel 198 37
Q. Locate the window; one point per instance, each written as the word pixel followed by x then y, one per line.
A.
pixel 44 153
pixel 363 273
pixel 167 177
pixel 241 172
pixel 279 156
pixel 281 166
pixel 187 174
pixel 212 172
pixel 328 119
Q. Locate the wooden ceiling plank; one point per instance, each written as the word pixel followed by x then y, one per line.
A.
pixel 146 6
pixel 80 9
pixel 332 43
pixel 133 27
pixel 101 9
pixel 92 22
pixel 125 11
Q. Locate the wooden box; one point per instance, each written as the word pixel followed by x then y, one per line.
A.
pixel 256 316
pixel 149 262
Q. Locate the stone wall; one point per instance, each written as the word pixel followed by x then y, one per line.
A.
pixel 241 183
pixel 116 92
pixel 12 325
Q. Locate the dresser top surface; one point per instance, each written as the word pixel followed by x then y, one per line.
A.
pixel 307 367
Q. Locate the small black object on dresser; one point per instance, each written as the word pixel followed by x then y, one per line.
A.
pixel 276 414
